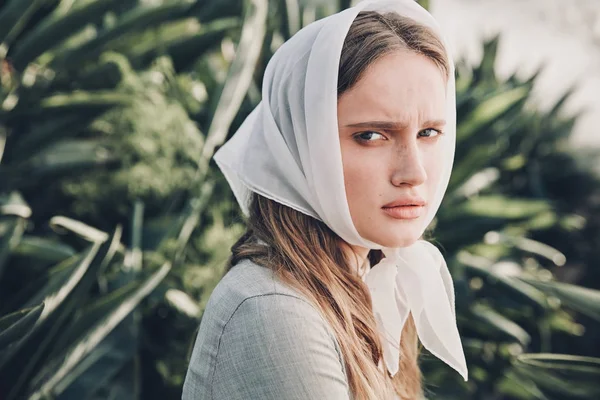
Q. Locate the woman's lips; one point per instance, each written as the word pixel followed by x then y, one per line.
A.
pixel 404 212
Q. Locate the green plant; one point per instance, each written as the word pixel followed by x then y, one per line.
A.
pixel 500 203
pixel 104 106
pixel 109 114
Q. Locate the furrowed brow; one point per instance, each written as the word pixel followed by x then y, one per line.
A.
pixel 393 125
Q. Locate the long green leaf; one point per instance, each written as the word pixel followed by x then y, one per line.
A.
pixel 183 47
pixel 513 289
pixel 45 133
pixel 478 159
pixel 489 111
pixel 13 19
pixel 55 28
pixel 562 376
pixel 50 381
pixel 89 316
pixel 528 245
pixel 213 9
pixel 45 249
pixel 581 299
pixel 291 17
pixel 496 327
pixel 191 217
pixel 16 326
pixel 79 284
pixel 59 286
pixel 485 71
pixel 465 230
pixel 3 133
pixel 87 232
pixel 133 258
pixel 61 158
pixel 102 367
pixel 496 206
pixel 520 387
pixel 14 212
pixel 63 281
pixel 239 79
pixel 138 18
pixel 465 223
pixel 81 100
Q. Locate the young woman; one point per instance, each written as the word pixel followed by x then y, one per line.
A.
pixel 339 169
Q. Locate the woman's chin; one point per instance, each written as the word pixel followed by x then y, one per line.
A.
pixel 394 239
pixel 394 233
pixel 403 242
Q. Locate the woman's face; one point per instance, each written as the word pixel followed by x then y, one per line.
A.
pixel 390 126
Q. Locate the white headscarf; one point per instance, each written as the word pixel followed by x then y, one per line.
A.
pixel 288 150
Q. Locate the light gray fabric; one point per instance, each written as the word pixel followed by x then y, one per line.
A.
pixel 260 339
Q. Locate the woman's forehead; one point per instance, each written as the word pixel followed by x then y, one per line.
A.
pixel 397 88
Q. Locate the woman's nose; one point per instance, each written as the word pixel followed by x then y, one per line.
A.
pixel 408 166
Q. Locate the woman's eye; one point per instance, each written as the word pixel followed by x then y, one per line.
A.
pixel 369 136
pixel 430 132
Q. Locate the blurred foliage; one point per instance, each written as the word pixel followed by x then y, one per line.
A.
pixel 153 165
pixel 115 226
pixel 110 112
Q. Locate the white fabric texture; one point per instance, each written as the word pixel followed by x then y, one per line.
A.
pixel 288 150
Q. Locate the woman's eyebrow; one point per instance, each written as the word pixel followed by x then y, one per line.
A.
pixel 393 125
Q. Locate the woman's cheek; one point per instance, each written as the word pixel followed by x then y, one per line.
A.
pixel 433 165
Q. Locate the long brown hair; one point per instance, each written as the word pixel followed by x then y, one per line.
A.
pixel 310 257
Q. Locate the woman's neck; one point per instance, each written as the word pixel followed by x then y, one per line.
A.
pixel 358 258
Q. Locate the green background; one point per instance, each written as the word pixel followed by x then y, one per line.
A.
pixel 115 224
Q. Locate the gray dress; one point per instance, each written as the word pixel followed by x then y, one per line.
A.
pixel 261 339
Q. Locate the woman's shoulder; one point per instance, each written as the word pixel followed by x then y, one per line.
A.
pixel 248 280
pixel 257 329
pixel 252 295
